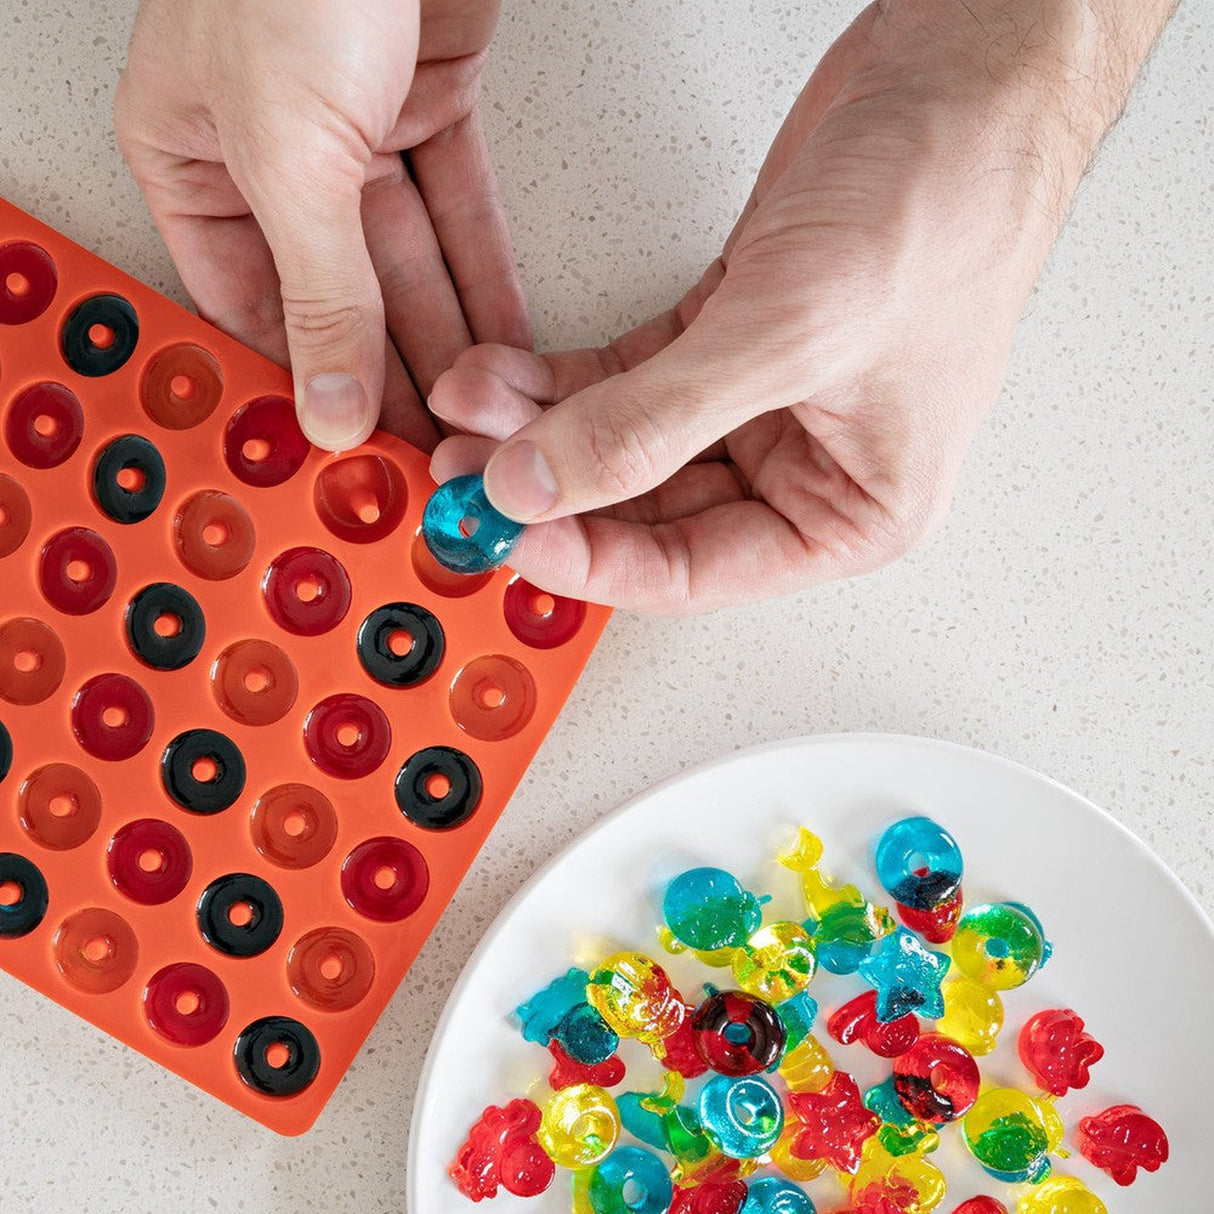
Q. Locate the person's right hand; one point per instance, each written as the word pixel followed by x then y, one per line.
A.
pixel 266 137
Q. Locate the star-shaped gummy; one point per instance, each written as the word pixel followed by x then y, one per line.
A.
pixel 907 976
pixel 832 1124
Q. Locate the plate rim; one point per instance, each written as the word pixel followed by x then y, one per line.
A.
pixel 797 742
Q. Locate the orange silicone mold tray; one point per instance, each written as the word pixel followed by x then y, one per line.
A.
pixel 251 736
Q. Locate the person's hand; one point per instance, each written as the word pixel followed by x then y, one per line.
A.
pixel 266 137
pixel 803 412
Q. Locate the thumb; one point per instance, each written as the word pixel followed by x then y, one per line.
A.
pixel 309 208
pixel 627 434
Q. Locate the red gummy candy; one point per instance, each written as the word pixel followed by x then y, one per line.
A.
pixel 834 1124
pixel 566 1071
pixel 681 1053
pixel 938 925
pixel 1057 1052
pixel 1121 1140
pixel 526 1170
pixel 981 1205
pixel 712 1198
pixel 498 1151
pixel 892 1197
pixel 857 1021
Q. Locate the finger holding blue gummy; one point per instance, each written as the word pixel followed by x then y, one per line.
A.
pixel 464 531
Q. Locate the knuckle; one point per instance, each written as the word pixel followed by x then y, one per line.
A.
pixel 321 320
pixel 620 445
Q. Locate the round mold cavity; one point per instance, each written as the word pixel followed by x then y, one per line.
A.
pixel 15 515
pixel 129 479
pixel 361 498
pixel 438 788
pixel 77 571
pixel 254 682
pixel 215 535
pixel 440 580
pixel 186 1004
pixel 181 386
pixel 99 335
pixel 277 1056
pixel 23 907
pixel 347 736
pixel 165 626
pixel 240 915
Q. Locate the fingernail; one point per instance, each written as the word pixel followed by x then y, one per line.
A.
pixel 520 483
pixel 336 413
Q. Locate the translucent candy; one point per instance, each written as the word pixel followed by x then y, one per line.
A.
pixel 738 1034
pixel 909 1182
pixel 544 1011
pixel 568 1071
pixel 630 1180
pixel 900 1133
pixel 1001 944
pixel 463 531
pixel 798 1015
pixel 1121 1140
pixel 906 975
pixel 833 1124
pixel 808 1068
pixel 742 1116
pixel 1060 1195
pixel 707 909
pixel 1057 1051
pixel 1012 1135
pixel 501 1149
pixel 580 1126
pixel 938 925
pixel 726 1197
pixel 790 1165
pixel 776 963
pixel 919 863
pixel 771 1195
pixel 936 1079
pixel 981 1205
pixel 973 1015
pixel 585 1036
pixel 679 1051
pixel 634 996
pixel 857 1020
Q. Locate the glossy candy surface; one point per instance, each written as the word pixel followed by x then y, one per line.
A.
pixel 566 1071
pixel 857 1020
pixel 1057 1051
pixel 579 1127
pixel 707 909
pixel 770 1195
pixel 1012 1135
pixel 543 1012
pixel 973 1015
pixel 742 1116
pixel 906 975
pixel 833 1124
pixel 738 1034
pixel 1060 1195
pixel 809 1067
pixel 776 963
pixel 585 1036
pixel 936 1079
pixel 635 997
pixel 630 1180
pixel 981 1205
pixel 938 925
pixel 463 531
pixel 1122 1139
pixel 907 1182
pixel 1001 945
pixel 501 1150
pixel 919 863
pixel 900 1132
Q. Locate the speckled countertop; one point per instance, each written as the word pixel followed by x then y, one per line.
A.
pixel 1064 617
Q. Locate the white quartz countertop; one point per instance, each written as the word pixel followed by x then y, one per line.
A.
pixel 1063 617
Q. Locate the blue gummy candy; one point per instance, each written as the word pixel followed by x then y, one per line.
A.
pixel 463 531
pixel 630 1179
pixel 906 975
pixel 585 1036
pixel 883 1099
pixel 771 1195
pixel 742 1116
pixel 798 1015
pixel 919 863
pixel 643 1124
pixel 708 909
pixel 543 1012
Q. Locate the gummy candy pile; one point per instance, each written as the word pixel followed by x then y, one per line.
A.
pixel 768 1094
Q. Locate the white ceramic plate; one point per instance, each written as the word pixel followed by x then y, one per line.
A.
pixel 1134 954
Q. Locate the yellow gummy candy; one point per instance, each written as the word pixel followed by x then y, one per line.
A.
pixel 776 963
pixel 789 1164
pixel 973 1015
pixel 1061 1195
pixel 809 1067
pixel 579 1127
pixel 920 1185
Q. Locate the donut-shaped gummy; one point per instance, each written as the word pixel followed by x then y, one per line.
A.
pixel 774 1195
pixel 277 1056
pixel 32 661
pixel 165 627
pixel 240 915
pixel 493 697
pixel 347 736
pixel 385 879
pixel 540 619
pixel 77 571
pixel 59 806
pixel 438 788
pixel 149 861
pixel 6 752
pixel 738 1034
pixel 112 717
pixel 129 479
pixel 936 1079
pixel 293 825
pixel 181 386
pixel 99 335
pixel 307 591
pixel 186 1004
pixel 27 282
pixel 96 950
pixel 331 969
pixel 203 771
pixel 24 895
pixel 742 1116
pixel 580 1126
pixel 254 682
pixel 44 426
pixel 401 644
pixel 15 515
pixel 263 444
pixel 463 531
pixel 1000 945
pixel 215 535
pixel 919 863
pixel 631 1180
